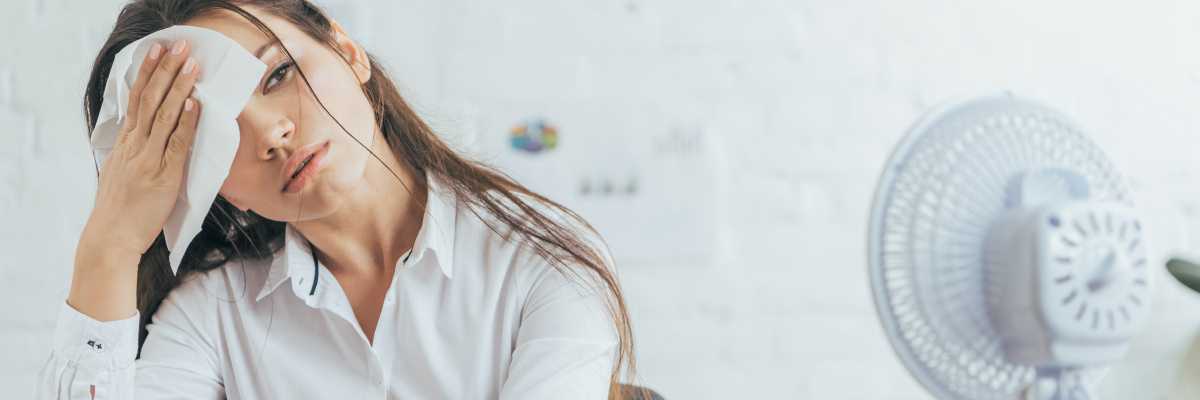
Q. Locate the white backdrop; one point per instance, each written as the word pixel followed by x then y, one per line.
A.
pixel 797 104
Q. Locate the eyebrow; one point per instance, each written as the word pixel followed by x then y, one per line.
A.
pixel 263 49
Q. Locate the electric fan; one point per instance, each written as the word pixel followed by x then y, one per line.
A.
pixel 1006 259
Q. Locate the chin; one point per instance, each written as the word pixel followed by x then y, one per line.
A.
pixel 308 204
pixel 322 198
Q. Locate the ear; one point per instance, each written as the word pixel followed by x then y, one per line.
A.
pixel 235 202
pixel 357 56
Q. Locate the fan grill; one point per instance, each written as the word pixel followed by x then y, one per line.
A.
pixel 944 186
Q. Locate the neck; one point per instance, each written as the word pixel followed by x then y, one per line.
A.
pixel 377 223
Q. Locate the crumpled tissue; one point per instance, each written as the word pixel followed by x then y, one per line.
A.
pixel 228 74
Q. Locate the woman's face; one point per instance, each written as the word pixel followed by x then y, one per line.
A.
pixel 282 123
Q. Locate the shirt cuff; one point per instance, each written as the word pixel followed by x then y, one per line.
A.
pixel 93 344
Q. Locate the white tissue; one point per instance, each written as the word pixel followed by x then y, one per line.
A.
pixel 228 74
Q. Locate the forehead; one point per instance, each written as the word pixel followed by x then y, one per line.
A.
pixel 243 31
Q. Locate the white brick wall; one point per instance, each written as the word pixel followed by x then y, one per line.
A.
pixel 804 99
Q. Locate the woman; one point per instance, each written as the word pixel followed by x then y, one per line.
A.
pixel 411 272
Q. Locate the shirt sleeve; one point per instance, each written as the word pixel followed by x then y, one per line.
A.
pixel 89 353
pixel 565 343
pixel 177 360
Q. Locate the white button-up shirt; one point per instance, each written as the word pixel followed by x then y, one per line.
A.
pixel 468 316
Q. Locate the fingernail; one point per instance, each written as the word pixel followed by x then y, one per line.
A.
pixel 187 105
pixel 187 66
pixel 155 51
pixel 178 47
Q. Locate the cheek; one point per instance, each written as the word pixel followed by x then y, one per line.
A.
pixel 245 181
pixel 341 95
pixel 339 91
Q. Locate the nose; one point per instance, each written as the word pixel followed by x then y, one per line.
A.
pixel 269 132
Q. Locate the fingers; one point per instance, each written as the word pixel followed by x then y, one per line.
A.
pixel 161 82
pixel 179 140
pixel 168 115
pixel 149 64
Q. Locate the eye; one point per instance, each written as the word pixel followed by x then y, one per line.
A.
pixel 277 76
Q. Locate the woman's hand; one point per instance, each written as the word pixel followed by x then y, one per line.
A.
pixel 139 183
pixel 140 179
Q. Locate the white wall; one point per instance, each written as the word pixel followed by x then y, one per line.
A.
pixel 799 100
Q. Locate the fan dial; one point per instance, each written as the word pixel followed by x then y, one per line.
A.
pixel 1094 276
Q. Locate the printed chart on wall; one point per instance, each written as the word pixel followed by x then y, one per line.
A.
pixel 644 180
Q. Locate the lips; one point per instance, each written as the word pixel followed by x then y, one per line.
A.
pixel 303 166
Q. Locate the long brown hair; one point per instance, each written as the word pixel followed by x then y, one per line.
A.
pixel 228 233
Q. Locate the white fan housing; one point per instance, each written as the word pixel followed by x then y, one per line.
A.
pixel 1005 256
pixel 1061 276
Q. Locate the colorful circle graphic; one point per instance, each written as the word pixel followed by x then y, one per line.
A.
pixel 534 136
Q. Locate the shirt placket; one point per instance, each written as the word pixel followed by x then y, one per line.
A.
pixel 331 298
pixel 384 347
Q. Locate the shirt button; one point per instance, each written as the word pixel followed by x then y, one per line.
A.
pixel 377 379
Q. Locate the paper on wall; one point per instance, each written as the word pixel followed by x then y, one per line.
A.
pixel 227 75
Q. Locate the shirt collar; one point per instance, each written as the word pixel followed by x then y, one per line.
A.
pixel 436 237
